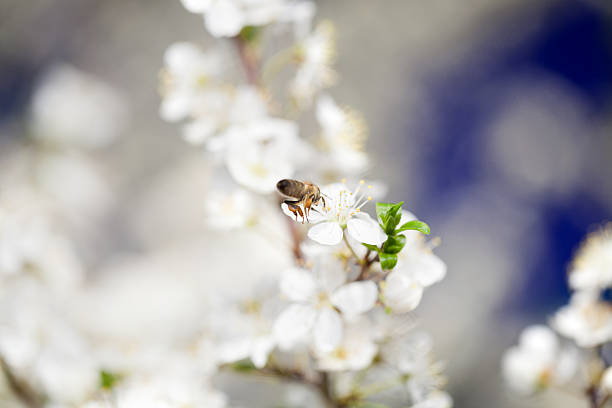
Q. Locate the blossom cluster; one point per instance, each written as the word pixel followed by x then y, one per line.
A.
pixel 573 358
pixel 337 317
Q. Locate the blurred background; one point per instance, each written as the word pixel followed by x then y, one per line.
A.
pixel 492 120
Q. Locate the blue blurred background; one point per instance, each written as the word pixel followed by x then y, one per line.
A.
pixel 492 120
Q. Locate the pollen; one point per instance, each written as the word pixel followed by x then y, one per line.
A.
pixel 343 181
pixel 361 181
pixel 369 198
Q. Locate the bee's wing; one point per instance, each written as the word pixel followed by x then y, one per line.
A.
pixel 289 196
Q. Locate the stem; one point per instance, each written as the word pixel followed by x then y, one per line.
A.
pixel 591 394
pixel 322 384
pixel 249 60
pixel 297 240
pixel 277 62
pixel 359 261
pixel 26 395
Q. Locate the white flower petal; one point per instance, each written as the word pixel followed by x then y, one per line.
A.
pixel 298 285
pixel 364 229
pixel 402 293
pixel 293 325
pixel 428 269
pixel 196 6
pixel 174 108
pixel 198 131
pixel 327 330
pixel 355 298
pixel 326 233
pixel 261 349
pixel 224 19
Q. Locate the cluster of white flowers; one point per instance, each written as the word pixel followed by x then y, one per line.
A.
pixel 355 271
pixel 333 317
pixel 540 360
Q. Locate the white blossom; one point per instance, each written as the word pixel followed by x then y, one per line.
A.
pixel 315 295
pixel 538 361
pixel 230 210
pixel 343 136
pixel 30 246
pixel 437 399
pixel 316 54
pixel 417 268
pixel 355 352
pixel 190 83
pixel 606 381
pixel 226 18
pixel 74 109
pixel 244 328
pixel 586 320
pixel 168 391
pixel 262 152
pixel 592 266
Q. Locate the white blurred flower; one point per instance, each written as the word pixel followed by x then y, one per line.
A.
pixel 437 399
pixel 315 296
pixel 316 54
pixel 220 108
pixel 169 391
pixel 235 209
pixel 226 18
pixel 417 268
pixel 72 108
pixel 189 83
pixel 538 361
pixel 355 352
pixel 342 211
pixel 44 351
pixel 28 245
pixel 586 320
pixel 74 184
pixel 244 328
pixel 343 138
pixel 262 152
pixel 592 266
pixel 606 381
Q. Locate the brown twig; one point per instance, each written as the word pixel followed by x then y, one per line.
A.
pixel 26 395
pixel 249 60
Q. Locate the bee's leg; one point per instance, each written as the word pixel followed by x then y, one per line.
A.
pixel 307 205
pixel 323 198
pixel 295 209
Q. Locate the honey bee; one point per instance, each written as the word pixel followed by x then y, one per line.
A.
pixel 300 192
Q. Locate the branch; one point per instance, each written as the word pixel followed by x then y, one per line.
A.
pixel 24 393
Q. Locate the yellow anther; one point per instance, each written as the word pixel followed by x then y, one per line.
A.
pixel 369 186
pixel 361 181
pixel 358 210
pixel 343 181
pixel 369 198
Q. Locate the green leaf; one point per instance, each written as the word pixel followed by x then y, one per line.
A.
pixel 243 366
pixel 371 247
pixel 388 215
pixel 414 225
pixel 108 380
pixel 392 223
pixel 394 244
pixel 249 33
pixel 387 261
pixel 382 211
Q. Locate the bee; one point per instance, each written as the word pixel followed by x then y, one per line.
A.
pixel 300 192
